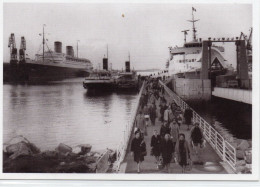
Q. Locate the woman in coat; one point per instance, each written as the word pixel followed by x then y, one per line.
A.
pixel 174 133
pixel 167 150
pixel 155 144
pixel 182 152
pixel 138 149
pixel 152 112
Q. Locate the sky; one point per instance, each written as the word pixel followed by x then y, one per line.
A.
pixel 143 30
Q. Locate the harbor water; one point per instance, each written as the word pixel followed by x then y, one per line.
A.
pixel 64 112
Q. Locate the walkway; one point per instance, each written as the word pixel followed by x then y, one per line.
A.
pixel 208 162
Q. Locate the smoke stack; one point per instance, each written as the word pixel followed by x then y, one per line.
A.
pixel 58 47
pixel 105 64
pixel 127 66
pixel 69 51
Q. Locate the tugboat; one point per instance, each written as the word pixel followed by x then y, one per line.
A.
pixel 127 80
pixel 100 79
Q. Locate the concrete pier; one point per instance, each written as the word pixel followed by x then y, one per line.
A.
pixel 244 96
pixel 208 161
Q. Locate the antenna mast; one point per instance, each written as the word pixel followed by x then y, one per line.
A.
pixel 185 33
pixel 193 24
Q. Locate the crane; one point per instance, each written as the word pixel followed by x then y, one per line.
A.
pixel 248 39
pixel 22 50
pixel 13 49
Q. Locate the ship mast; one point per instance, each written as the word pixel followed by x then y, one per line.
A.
pixel 77 48
pixel 43 42
pixel 193 24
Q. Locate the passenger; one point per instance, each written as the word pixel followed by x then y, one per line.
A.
pixel 174 133
pixel 155 146
pixel 167 150
pixel 182 152
pixel 188 116
pixel 140 122
pixel 138 149
pixel 196 138
pixel 152 112
pixel 163 107
pixel 165 129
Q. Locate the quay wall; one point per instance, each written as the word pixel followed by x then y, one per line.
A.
pixel 192 89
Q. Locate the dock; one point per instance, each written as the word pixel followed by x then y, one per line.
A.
pixel 217 157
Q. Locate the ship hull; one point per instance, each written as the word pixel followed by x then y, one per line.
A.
pixel 34 73
pixel 98 85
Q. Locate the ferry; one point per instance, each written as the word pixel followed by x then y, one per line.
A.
pixel 185 61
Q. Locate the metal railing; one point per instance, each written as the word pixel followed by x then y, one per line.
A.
pixel 122 147
pixel 223 148
pixel 102 164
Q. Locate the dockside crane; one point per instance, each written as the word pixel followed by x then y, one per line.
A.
pixel 13 49
pixel 248 39
pixel 22 50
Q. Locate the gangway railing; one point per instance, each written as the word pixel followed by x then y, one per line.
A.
pixel 122 147
pixel 223 148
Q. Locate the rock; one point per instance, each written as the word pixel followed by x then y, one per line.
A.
pixel 238 141
pixel 234 144
pixel 62 148
pixel 240 154
pixel 97 155
pixel 250 143
pixel 85 148
pixel 76 150
pixel 92 166
pixel 240 169
pixel 33 148
pixel 243 145
pixel 18 139
pixel 112 156
pixel 50 154
pixel 240 163
pixel 18 149
pixel 248 156
pixel 62 163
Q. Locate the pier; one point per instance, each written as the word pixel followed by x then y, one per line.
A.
pixel 244 96
pixel 218 156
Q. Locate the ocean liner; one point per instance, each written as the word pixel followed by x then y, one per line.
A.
pixel 47 66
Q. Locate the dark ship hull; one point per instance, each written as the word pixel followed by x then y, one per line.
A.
pixel 37 73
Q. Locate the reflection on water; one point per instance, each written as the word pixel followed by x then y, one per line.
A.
pixel 228 117
pixel 64 112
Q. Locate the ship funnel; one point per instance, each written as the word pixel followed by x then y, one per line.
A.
pixel 105 64
pixel 58 47
pixel 127 66
pixel 69 51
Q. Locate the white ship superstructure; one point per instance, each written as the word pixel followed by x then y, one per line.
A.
pixel 187 59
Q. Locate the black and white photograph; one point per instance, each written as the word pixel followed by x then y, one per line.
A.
pixel 142 91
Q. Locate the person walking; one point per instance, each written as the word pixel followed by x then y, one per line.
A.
pixel 163 107
pixel 155 146
pixel 182 152
pixel 152 112
pixel 174 133
pixel 196 138
pixel 188 116
pixel 138 149
pixel 165 129
pixel 140 122
pixel 167 150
